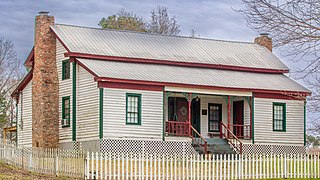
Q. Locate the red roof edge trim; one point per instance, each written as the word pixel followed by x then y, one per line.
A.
pixel 30 59
pixel 200 86
pixel 84 67
pixel 66 47
pixel 174 63
pixel 285 96
pixel 22 84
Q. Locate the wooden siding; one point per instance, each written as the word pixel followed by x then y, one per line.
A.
pixel 114 122
pixel 87 106
pixel 263 122
pixel 65 89
pixel 25 117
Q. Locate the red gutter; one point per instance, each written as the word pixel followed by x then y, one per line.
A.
pixel 23 83
pixel 174 63
pixel 198 86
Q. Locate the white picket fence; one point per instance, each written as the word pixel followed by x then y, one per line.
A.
pixel 48 161
pixel 154 166
pixel 133 166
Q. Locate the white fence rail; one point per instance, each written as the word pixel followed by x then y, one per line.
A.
pixel 132 166
pixel 48 161
pixel 137 166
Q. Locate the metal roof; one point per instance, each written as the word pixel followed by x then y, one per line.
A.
pixel 163 47
pixel 192 76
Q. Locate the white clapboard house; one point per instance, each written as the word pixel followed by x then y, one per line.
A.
pixel 126 91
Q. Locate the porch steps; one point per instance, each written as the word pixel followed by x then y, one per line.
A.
pixel 216 145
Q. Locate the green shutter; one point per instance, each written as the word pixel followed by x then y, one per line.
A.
pixel 101 113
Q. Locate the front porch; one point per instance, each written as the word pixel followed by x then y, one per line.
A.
pixel 205 115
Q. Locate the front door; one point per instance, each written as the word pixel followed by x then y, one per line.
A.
pixel 195 114
pixel 238 118
pixel 214 117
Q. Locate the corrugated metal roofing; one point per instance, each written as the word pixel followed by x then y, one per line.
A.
pixel 191 76
pixel 162 47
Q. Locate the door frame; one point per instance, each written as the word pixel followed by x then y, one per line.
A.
pixel 199 114
pixel 220 116
pixel 234 115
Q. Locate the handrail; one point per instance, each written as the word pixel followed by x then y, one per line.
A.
pixel 198 139
pixel 232 139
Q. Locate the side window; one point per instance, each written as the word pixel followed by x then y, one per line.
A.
pixel 65 69
pixel 279 116
pixel 65 122
pixel 133 109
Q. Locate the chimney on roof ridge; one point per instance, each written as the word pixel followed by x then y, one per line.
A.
pixel 264 40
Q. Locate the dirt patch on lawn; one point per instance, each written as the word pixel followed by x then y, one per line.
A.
pixel 10 172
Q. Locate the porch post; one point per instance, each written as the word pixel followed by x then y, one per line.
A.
pixel 189 113
pixel 229 112
pixel 250 103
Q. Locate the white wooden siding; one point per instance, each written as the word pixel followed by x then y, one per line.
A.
pixel 263 122
pixel 25 117
pixel 65 89
pixel 114 120
pixel 87 106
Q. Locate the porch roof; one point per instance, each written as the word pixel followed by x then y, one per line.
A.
pixel 248 81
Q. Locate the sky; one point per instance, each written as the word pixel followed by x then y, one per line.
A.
pixel 215 19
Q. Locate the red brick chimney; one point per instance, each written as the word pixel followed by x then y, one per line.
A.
pixel 45 85
pixel 264 40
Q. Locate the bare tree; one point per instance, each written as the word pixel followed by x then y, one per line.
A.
pixel 295 28
pixel 10 74
pixel 161 23
pixel 193 34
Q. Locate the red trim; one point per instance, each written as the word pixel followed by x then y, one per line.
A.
pixel 283 95
pixel 60 40
pixel 103 84
pixel 30 59
pixel 198 86
pixel 174 63
pixel 22 84
pixel 85 67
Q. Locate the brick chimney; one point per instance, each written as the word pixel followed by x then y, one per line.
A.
pixel 264 40
pixel 45 85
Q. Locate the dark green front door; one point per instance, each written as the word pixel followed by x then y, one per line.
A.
pixel 195 114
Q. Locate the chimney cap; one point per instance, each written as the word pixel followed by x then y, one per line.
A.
pixel 264 34
pixel 43 13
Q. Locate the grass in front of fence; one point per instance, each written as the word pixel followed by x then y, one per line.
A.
pixel 10 172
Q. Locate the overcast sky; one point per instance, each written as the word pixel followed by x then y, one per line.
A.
pixel 214 19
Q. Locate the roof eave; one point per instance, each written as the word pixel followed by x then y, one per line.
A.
pixel 22 84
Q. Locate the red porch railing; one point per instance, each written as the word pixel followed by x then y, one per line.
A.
pixel 241 131
pixel 232 139
pixel 176 128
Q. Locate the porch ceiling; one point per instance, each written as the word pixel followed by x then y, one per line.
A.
pixel 192 76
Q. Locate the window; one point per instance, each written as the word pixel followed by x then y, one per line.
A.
pixel 65 69
pixel 133 109
pixel 65 122
pixel 214 117
pixel 279 116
